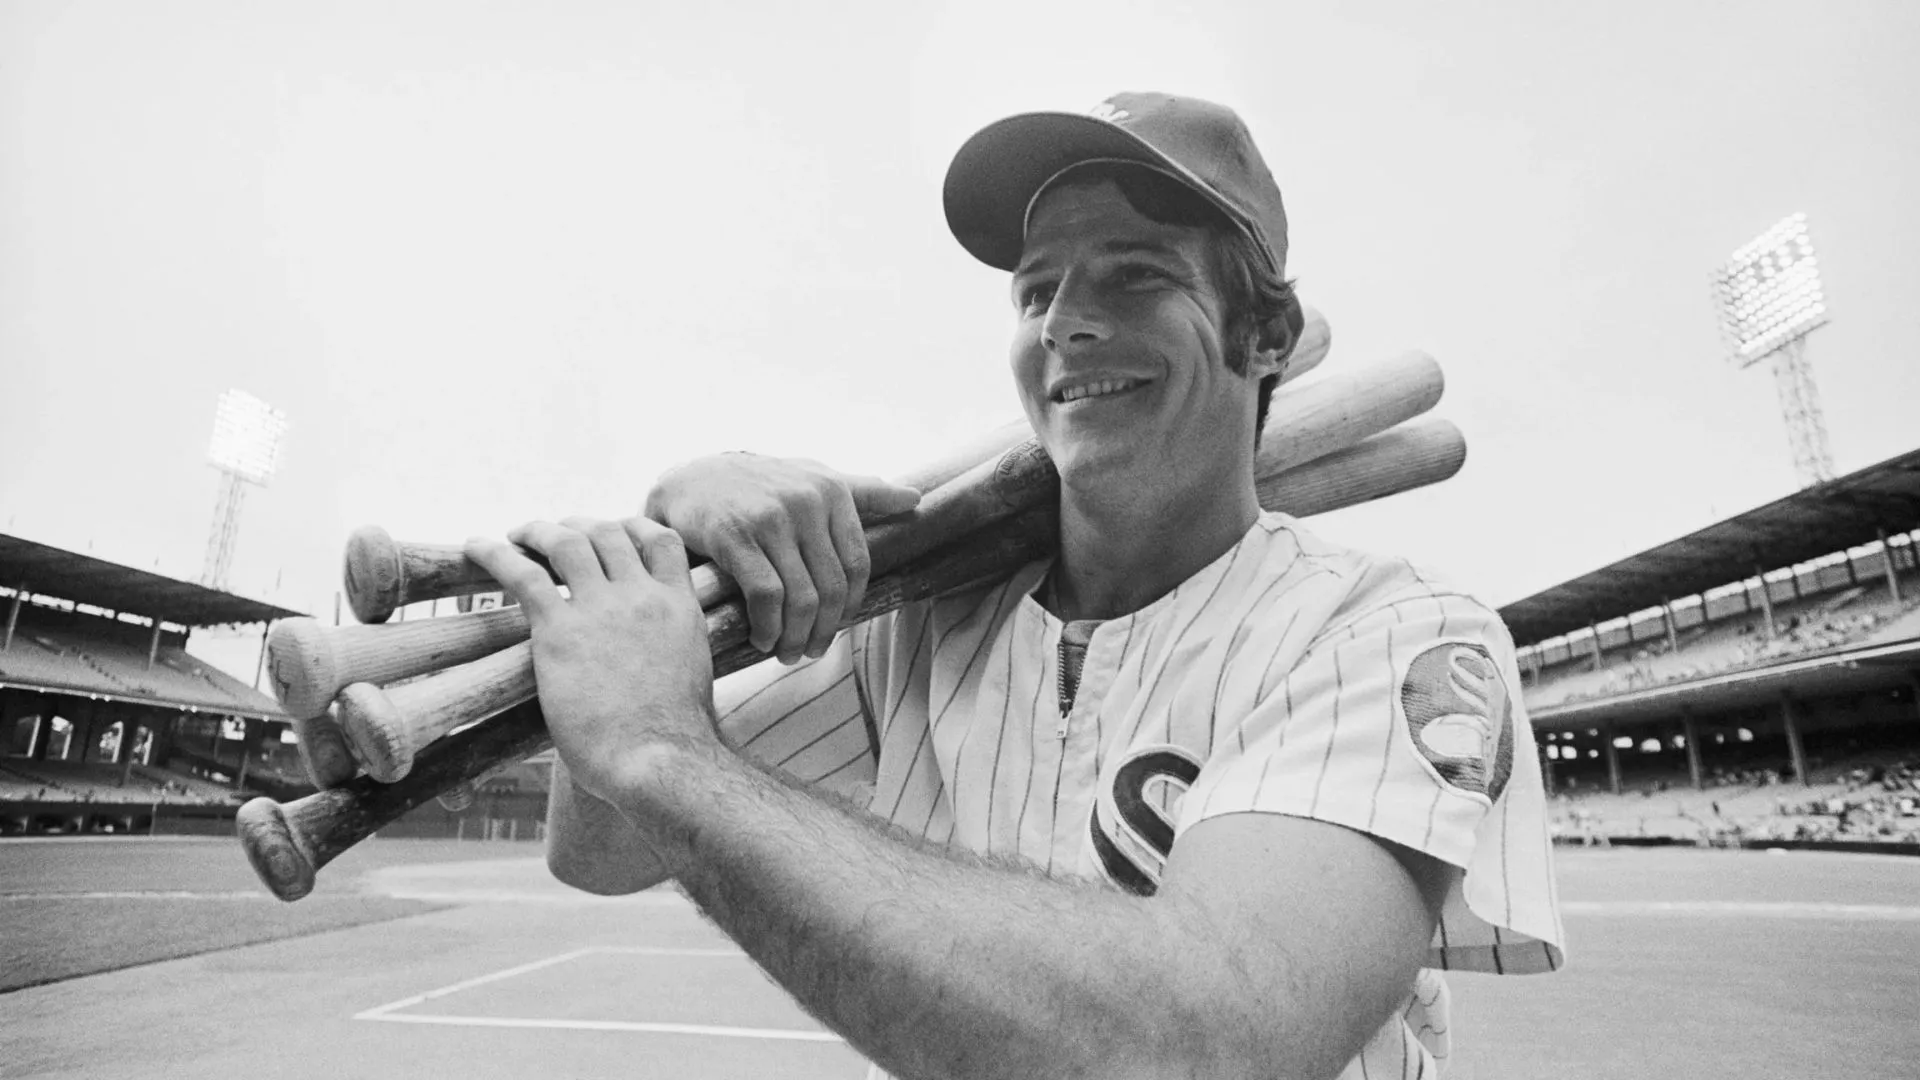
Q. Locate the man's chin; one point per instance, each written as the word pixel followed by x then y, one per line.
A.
pixel 1090 466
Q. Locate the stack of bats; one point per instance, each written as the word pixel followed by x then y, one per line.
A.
pixel 389 715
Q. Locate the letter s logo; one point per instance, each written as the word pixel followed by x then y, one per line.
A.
pixel 1132 834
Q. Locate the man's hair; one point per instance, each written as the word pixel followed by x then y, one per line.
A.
pixel 1260 307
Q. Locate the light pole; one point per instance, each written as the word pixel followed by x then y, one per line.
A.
pixel 1769 298
pixel 245 448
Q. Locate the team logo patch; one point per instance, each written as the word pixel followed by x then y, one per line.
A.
pixel 1460 717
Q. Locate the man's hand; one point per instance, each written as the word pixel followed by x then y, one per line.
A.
pixel 623 662
pixel 788 531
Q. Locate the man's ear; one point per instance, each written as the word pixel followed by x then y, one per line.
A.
pixel 1272 348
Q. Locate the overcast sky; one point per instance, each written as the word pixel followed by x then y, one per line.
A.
pixel 511 260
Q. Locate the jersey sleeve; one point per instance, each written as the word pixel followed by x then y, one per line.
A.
pixel 809 720
pixel 1403 720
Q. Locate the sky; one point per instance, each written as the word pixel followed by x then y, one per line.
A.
pixel 511 260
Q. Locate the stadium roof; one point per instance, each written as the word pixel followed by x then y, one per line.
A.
pixel 1842 513
pixel 52 571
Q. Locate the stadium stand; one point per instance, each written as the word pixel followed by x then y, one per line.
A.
pixel 108 724
pixel 103 712
pixel 1756 681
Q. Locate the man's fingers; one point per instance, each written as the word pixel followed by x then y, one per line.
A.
pixel 662 552
pixel 760 588
pixel 802 600
pixel 874 497
pixel 613 544
pixel 525 580
pixel 850 549
pixel 568 551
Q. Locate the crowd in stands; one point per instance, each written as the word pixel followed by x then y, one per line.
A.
pixel 1877 802
pixel 39 781
pixel 1820 628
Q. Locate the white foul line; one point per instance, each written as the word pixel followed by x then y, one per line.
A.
pixel 607 1025
pixel 1762 909
pixel 388 1013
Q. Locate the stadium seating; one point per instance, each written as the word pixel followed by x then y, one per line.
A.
pixel 1858 615
pixel 1874 797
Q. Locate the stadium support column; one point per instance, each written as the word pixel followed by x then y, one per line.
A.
pixel 13 614
pixel 1790 720
pixel 1766 602
pixel 1886 559
pixel 1673 633
pixel 1613 758
pixel 1690 732
pixel 1594 629
pixel 153 644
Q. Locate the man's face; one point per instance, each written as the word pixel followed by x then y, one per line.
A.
pixel 1120 355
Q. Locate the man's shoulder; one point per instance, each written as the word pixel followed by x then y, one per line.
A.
pixel 1369 581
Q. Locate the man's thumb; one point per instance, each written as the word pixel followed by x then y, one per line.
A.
pixel 877 498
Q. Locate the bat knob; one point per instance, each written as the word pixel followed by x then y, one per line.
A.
pixel 324 751
pixel 375 576
pixel 458 797
pixel 300 662
pixel 273 850
pixel 376 732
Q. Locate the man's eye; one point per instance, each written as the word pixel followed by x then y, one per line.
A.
pixel 1137 274
pixel 1037 296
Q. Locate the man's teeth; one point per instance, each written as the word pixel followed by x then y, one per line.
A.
pixel 1098 389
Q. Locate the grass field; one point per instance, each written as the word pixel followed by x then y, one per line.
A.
pixel 163 958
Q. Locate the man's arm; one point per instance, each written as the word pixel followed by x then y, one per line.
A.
pixel 1275 946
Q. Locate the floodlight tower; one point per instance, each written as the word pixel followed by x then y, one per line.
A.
pixel 1769 298
pixel 245 448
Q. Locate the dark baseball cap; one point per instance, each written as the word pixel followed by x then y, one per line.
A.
pixel 997 174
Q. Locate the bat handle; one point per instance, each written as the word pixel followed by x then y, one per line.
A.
pixel 289 843
pixel 277 847
pixel 324 750
pixel 385 729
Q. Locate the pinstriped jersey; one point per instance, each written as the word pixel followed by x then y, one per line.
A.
pixel 1289 676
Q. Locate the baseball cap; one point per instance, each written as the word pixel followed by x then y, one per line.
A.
pixel 997 174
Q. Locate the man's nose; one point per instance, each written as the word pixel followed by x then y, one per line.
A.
pixel 1075 317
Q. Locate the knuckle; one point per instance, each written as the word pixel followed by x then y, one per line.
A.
pixel 762 595
pixel 763 518
pixel 803 601
pixel 859 564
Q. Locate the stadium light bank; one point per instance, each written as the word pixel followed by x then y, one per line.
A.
pixel 1769 298
pixel 246 449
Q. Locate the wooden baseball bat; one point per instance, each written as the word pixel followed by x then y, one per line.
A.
pixel 382 576
pixel 288 844
pixel 311 664
pixel 384 730
pixel 1411 455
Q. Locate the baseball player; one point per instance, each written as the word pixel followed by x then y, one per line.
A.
pixel 1199 795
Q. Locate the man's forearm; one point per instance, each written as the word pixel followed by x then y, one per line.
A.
pixel 950 965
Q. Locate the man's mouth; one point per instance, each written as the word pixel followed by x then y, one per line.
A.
pixel 1102 388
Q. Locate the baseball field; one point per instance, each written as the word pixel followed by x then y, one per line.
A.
pixel 139 958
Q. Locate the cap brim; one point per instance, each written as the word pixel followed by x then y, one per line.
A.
pixel 996 174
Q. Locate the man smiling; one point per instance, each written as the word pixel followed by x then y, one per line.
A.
pixel 1199 795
